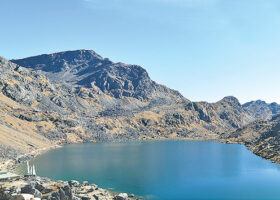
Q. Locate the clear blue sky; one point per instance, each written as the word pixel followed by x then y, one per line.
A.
pixel 206 49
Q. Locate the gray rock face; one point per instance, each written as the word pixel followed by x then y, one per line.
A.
pixel 39 187
pixel 37 194
pixel 19 94
pixel 88 69
pixel 28 189
pixel 8 152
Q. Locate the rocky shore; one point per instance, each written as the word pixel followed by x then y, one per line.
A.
pixel 37 188
pixel 40 188
pixel 12 163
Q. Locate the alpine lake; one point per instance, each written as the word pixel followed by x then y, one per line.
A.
pixel 194 170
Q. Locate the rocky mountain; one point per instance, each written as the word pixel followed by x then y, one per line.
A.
pixel 19 119
pixel 87 69
pixel 261 136
pixel 78 96
pixel 262 110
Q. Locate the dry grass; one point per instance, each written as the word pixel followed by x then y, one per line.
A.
pixel 149 115
pixel 173 135
pixel 46 126
pixel 10 102
pixel 12 82
pixel 45 81
pixel 22 141
pixel 47 93
pixel 116 125
pixel 73 138
pixel 35 104
pixel 26 77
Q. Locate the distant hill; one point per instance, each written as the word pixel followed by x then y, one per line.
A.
pixel 262 110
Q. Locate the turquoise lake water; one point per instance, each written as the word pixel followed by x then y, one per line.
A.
pixel 191 170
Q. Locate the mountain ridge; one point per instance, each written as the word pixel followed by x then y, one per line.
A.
pixel 88 69
pixel 88 98
pixel 261 109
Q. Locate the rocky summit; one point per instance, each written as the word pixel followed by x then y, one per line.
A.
pixel 87 69
pixel 79 96
pixel 262 110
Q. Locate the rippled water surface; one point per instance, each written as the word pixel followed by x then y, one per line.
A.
pixel 167 169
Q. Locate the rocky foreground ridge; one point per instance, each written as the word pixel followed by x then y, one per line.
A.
pixel 37 188
pixel 79 96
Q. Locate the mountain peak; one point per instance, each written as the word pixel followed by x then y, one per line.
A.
pixel 73 53
pixel 262 110
pixel 77 54
pixel 257 102
pixel 231 100
pixel 59 61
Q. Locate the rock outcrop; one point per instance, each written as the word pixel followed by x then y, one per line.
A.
pixel 34 187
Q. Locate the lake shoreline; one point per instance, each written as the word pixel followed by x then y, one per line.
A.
pixel 12 164
pixel 145 168
pixel 86 190
pixel 110 194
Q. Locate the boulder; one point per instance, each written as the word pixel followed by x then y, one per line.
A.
pixel 95 187
pixel 62 195
pixel 56 195
pixel 131 195
pixel 74 183
pixel 67 191
pixel 28 189
pixel 37 194
pixel 91 189
pixel 86 198
pixel 25 197
pixel 46 190
pixel 85 183
pixel 76 198
pixel 39 187
pixel 121 196
pixel 96 197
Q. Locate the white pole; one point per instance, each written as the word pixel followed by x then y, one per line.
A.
pixel 31 170
pixel 34 172
pixel 28 169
